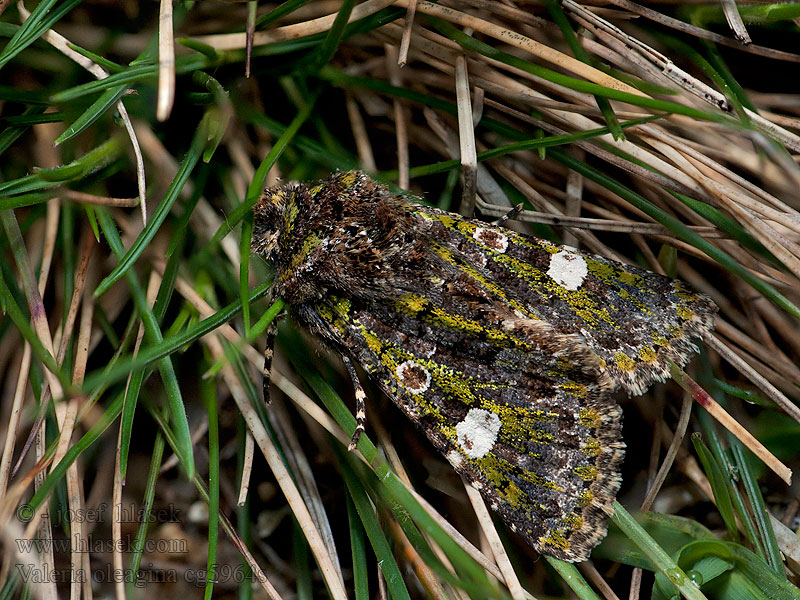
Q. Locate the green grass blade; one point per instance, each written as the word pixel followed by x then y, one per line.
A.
pixel 560 19
pixel 573 578
pixel 334 36
pixel 280 11
pixel 159 309
pixel 89 163
pixel 531 144
pixel 391 571
pixel 108 65
pixel 90 437
pixel 181 177
pixel 172 344
pixel 473 575
pixel 715 442
pixel 302 564
pixel 139 540
pixel 98 108
pixel 660 559
pixel 256 185
pixel 358 552
pixel 22 323
pixel 244 269
pixel 153 336
pixel 11 133
pixel 754 15
pixel 772 553
pixel 718 484
pixel 208 391
pixel 729 226
pixel 42 18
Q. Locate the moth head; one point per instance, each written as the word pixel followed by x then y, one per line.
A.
pixel 269 216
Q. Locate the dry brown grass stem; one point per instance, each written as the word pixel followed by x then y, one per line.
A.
pixel 405 42
pixel 495 544
pixel 359 129
pixel 512 38
pixel 234 41
pixel 592 574
pixel 725 419
pixel 672 451
pixel 247 469
pixel 400 117
pixel 166 61
pixel 466 138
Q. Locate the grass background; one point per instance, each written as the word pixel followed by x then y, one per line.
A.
pixel 131 333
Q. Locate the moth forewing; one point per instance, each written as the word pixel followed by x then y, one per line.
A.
pixel 505 349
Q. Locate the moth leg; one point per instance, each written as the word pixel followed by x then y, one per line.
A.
pixel 361 408
pixel 512 214
pixel 269 352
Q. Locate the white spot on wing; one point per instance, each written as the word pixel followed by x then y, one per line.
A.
pixel 568 270
pixel 413 376
pixel 477 433
pixel 491 237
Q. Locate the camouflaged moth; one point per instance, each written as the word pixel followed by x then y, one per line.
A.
pixel 506 350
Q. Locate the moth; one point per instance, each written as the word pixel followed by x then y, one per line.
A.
pixel 505 349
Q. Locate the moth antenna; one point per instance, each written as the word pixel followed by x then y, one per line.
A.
pixel 361 408
pixel 512 214
pixel 269 352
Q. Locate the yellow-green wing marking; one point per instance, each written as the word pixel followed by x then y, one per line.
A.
pixel 634 320
pixel 522 412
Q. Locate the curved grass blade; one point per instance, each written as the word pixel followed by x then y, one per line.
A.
pixel 98 108
pixel 719 485
pixel 560 19
pixel 172 344
pixel 473 576
pixel 159 309
pixel 42 18
pixel 358 552
pixel 386 560
pixel 89 163
pixel 660 559
pixel 257 184
pixel 573 578
pixel 153 336
pixel 749 576
pixel 208 392
pixel 181 177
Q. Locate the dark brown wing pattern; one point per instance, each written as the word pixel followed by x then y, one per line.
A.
pixel 505 349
